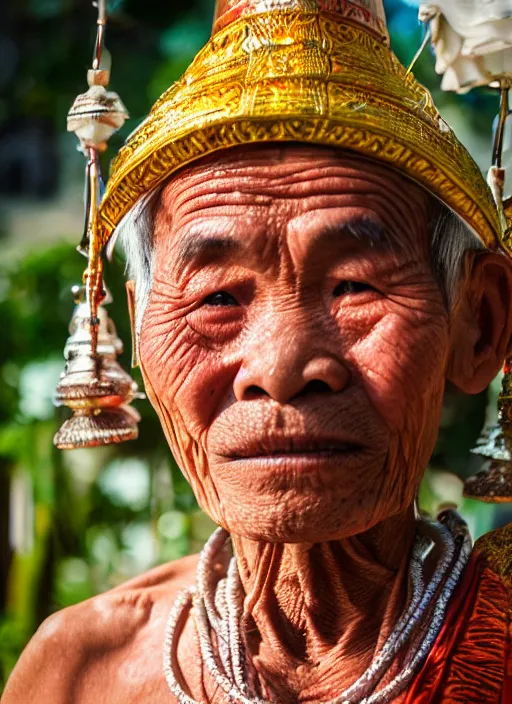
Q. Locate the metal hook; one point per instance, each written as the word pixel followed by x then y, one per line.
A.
pixel 426 39
pixel 497 149
pixel 100 35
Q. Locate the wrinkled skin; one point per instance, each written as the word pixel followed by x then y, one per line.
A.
pixel 296 347
pixel 288 354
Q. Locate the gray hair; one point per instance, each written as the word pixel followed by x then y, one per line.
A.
pixel 450 239
pixel 135 234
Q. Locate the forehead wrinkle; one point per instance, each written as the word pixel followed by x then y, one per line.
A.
pixel 212 195
pixel 249 179
pixel 246 189
pixel 295 161
pixel 255 169
pixel 215 180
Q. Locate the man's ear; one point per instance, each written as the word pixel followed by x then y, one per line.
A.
pixel 481 322
pixel 130 294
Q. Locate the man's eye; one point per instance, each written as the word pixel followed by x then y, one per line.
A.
pixel 346 287
pixel 220 298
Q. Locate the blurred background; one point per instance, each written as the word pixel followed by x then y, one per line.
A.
pixel 73 524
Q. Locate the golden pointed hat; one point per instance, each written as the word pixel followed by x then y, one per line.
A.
pixel 315 71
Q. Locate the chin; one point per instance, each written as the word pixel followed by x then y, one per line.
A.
pixel 316 524
pixel 312 507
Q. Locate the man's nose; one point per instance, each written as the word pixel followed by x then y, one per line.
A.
pixel 288 368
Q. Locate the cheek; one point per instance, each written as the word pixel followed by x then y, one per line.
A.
pixel 186 376
pixel 402 363
pixel 165 350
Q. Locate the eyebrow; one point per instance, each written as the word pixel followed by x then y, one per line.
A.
pixel 207 250
pixel 365 229
pixel 204 250
pixel 338 236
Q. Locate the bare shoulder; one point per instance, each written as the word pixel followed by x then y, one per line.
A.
pixel 75 652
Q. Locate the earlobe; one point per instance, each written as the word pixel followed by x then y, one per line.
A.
pixel 481 322
pixel 130 294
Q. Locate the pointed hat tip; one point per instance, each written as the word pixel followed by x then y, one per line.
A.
pixel 369 13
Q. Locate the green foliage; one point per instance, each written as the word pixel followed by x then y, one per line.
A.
pixel 88 519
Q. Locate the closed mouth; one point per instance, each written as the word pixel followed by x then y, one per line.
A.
pixel 293 447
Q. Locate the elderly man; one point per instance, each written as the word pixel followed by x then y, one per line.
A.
pixel 300 301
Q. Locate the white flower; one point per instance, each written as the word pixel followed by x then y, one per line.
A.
pixel 472 41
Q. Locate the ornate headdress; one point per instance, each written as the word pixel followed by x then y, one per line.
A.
pixel 317 71
pixel 320 72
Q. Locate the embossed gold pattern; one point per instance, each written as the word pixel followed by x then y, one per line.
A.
pixel 496 548
pixel 369 13
pixel 302 75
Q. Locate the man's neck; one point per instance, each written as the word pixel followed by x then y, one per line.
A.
pixel 315 614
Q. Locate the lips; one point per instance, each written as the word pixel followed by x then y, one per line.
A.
pixel 292 446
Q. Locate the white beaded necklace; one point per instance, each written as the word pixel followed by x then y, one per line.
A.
pixel 218 608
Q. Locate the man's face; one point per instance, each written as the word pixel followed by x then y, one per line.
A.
pixel 296 340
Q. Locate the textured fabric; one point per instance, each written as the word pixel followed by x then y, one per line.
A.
pixel 471 662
